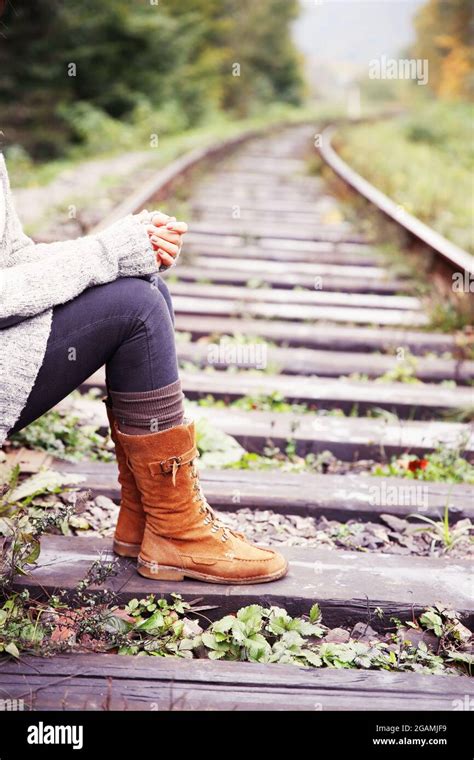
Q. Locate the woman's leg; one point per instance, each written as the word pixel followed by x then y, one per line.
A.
pixel 126 325
pixel 158 283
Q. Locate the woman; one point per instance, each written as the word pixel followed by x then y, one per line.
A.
pixel 68 308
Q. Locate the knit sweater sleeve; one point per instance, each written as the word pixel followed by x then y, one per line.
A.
pixel 43 281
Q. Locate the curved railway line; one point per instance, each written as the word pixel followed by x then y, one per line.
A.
pixel 270 256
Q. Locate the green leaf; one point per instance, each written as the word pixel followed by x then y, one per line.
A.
pixel 433 622
pixel 45 481
pixel 116 624
pixel 239 631
pixel 224 625
pixel 308 629
pixel 217 449
pixel 156 621
pixel 258 647
pixel 128 650
pixel 187 644
pixel 12 649
pixel 215 655
pixel 34 554
pixel 278 625
pixel 313 658
pixel 364 661
pixel 315 614
pixel 462 657
pixel 247 613
pixel 209 640
pixel 292 639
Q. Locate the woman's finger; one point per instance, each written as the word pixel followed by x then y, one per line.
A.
pixel 163 245
pixel 158 218
pixel 164 233
pixel 180 227
pixel 164 258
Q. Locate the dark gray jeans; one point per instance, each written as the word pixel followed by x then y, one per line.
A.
pixel 128 325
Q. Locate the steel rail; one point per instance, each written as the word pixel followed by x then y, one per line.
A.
pixel 458 258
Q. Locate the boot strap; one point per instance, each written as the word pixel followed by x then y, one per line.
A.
pixel 173 463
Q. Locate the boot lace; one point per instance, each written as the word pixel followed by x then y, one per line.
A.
pixel 210 517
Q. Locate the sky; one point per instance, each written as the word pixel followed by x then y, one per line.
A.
pixel 354 31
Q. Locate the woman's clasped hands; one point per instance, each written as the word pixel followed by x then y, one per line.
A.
pixel 166 236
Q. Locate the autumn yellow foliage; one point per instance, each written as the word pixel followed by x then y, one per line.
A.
pixel 444 37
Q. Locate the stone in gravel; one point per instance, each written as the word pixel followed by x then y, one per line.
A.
pixel 303 523
pixel 337 636
pixel 363 632
pixel 415 636
pixel 78 499
pixel 261 517
pixel 276 523
pixel 407 541
pixel 324 538
pixel 402 550
pixel 366 539
pixel 395 523
pixel 465 524
pixel 79 522
pixel 353 542
pixel 97 512
pixel 379 533
pixel 103 502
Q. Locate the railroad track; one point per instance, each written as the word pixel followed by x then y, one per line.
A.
pixel 271 257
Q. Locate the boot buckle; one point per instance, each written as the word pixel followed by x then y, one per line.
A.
pixel 175 463
pixel 168 465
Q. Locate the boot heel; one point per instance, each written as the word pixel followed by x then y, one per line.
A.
pixel 159 572
pixel 126 550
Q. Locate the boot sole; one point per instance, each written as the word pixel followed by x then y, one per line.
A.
pixel 167 573
pixel 126 550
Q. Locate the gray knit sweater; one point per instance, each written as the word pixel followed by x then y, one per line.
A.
pixel 36 277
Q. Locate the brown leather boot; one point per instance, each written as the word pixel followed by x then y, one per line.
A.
pixel 131 520
pixel 183 537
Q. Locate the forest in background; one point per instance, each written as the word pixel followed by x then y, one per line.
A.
pixel 78 73
pixel 69 68
pixel 84 80
pixel 444 36
pixel 428 167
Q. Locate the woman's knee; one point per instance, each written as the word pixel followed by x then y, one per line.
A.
pixel 137 298
pixel 113 310
pixel 158 283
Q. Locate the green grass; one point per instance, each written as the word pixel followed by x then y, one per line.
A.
pixel 62 435
pixel 444 465
pixel 106 137
pixel 423 161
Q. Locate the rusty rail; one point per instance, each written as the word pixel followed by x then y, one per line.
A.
pixel 456 257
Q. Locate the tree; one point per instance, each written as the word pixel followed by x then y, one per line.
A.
pixel 445 31
pixel 117 54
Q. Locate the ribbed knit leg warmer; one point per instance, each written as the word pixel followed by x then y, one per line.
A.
pixel 149 412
